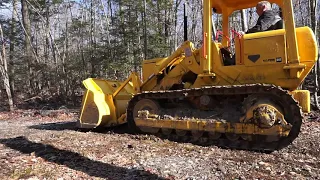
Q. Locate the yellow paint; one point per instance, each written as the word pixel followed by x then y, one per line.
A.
pixel 291 37
pixel 273 65
pixel 105 102
pixel 303 98
pixel 280 57
pixel 214 126
pixel 207 36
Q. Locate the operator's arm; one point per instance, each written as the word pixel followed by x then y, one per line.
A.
pixel 257 27
pixel 264 22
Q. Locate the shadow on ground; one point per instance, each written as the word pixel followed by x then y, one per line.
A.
pixel 75 161
pixel 57 126
pixel 72 125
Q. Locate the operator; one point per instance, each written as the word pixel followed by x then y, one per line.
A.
pixel 268 19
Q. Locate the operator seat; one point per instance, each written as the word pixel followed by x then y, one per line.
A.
pixel 227 57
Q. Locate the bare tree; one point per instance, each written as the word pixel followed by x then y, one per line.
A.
pixel 176 8
pixel 244 20
pixel 145 43
pixel 12 43
pixel 314 26
pixel 4 69
pixel 27 42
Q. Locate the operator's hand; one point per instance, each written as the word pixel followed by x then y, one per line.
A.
pixel 242 33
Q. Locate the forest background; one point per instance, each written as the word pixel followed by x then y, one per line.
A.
pixel 48 47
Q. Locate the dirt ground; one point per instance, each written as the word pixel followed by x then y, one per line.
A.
pixel 37 145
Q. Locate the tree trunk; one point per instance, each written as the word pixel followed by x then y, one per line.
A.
pixel 313 12
pixel 244 20
pixel 64 86
pixel 47 34
pixel 92 39
pixel 4 70
pixel 301 9
pixel 166 29
pixel 12 44
pixel 176 23
pixel 159 20
pixel 27 43
pixel 145 43
pixel 81 44
pixel 106 13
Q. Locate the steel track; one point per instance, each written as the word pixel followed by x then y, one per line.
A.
pixel 293 114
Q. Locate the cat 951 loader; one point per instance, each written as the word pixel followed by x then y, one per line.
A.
pixel 197 95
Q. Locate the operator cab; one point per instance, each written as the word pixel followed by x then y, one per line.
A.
pixel 235 41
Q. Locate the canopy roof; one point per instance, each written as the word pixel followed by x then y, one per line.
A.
pixel 233 5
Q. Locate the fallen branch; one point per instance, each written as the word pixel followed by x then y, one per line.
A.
pixel 35 97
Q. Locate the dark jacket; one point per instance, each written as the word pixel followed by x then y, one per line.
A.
pixel 269 20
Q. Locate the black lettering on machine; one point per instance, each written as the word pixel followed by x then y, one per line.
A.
pixel 269 60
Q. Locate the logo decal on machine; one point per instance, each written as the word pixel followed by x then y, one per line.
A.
pixel 278 59
pixel 254 58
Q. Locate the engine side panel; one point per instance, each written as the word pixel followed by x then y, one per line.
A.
pixel 265 60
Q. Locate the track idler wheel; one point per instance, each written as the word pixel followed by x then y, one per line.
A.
pixel 265 116
pixel 262 111
pixel 143 108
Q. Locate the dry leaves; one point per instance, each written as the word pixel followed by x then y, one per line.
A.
pixel 37 146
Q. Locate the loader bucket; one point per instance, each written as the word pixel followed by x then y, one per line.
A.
pixel 104 103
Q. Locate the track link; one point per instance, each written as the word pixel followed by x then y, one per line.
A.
pixel 293 114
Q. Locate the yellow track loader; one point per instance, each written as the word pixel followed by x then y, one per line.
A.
pixel 197 95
